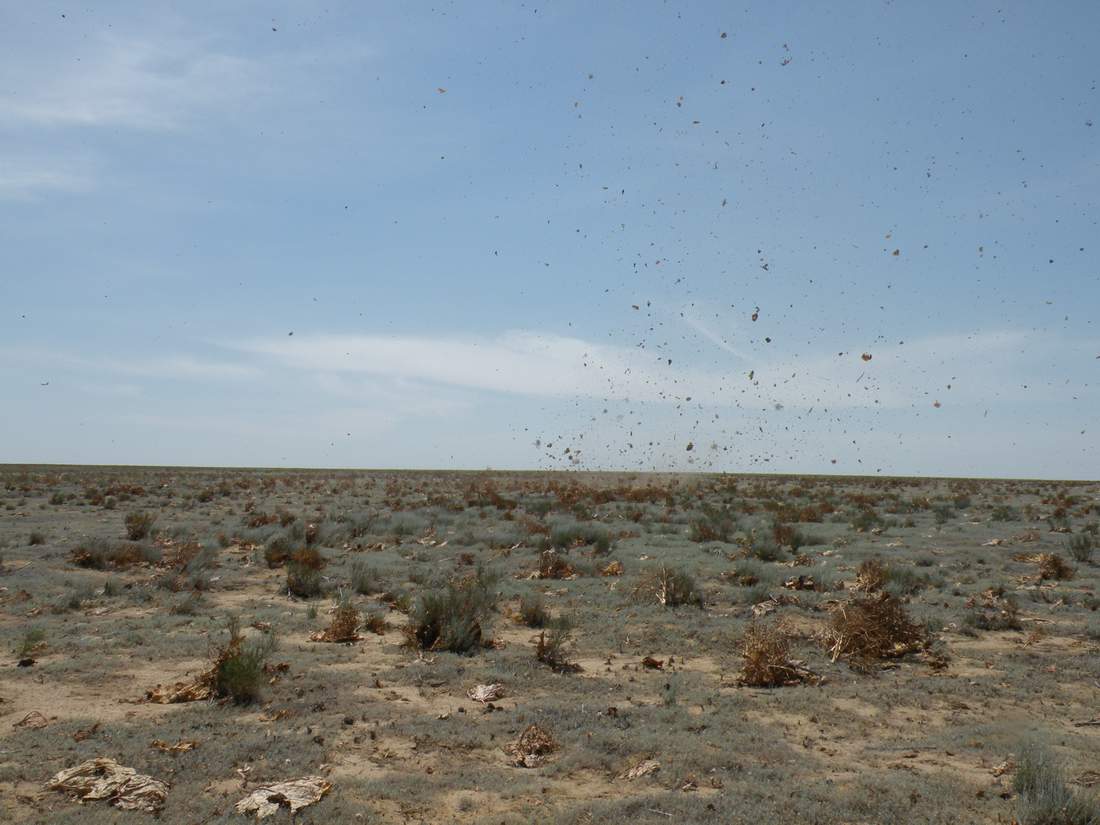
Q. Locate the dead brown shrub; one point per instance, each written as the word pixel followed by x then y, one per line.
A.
pixel 1053 566
pixel 309 557
pixel 868 629
pixel 343 627
pixel 871 576
pixel 532 747
pixel 553 566
pixel 766 651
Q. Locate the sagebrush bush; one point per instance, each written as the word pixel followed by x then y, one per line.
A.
pixel 238 671
pixel 36 538
pixel 553 644
pixel 139 524
pixel 713 524
pixel 1045 798
pixel 1080 547
pixel 453 617
pixel 669 586
pixel 302 581
pixel 278 550
pixel 365 580
pixel 532 610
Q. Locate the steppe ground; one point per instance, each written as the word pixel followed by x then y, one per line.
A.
pixel 116 580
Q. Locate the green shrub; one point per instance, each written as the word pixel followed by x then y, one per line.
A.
pixel 278 550
pixel 713 524
pixel 865 520
pixel 365 580
pixel 532 610
pixel 302 581
pixel 669 586
pixel 1080 547
pixel 32 639
pixel 566 536
pixel 1045 798
pixel 239 669
pixel 453 617
pixel 766 548
pixel 552 645
pixel 905 581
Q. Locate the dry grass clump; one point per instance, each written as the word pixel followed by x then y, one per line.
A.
pixel 1053 566
pixel 344 624
pixel 139 524
pixel 532 747
pixel 766 651
pixel 553 566
pixel 868 629
pixel 532 610
pixel 995 611
pixel 375 623
pixel 669 586
pixel 553 643
pixel 870 576
pixel 100 554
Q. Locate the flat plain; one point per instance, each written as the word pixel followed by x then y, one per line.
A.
pixel 649 648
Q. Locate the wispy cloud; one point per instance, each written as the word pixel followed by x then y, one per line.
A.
pixel 140 83
pixel 25 178
pixel 168 367
pixel 976 366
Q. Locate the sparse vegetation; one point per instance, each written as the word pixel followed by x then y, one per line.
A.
pixel 953 614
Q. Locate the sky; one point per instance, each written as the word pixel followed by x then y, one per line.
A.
pixel 756 237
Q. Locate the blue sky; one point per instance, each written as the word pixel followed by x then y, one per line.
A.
pixel 486 234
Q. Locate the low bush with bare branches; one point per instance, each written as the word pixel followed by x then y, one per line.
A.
pixel 767 663
pixel 868 629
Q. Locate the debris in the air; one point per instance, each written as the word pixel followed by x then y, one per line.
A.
pixel 690 446
pixel 103 778
pixel 293 795
pixel 756 314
